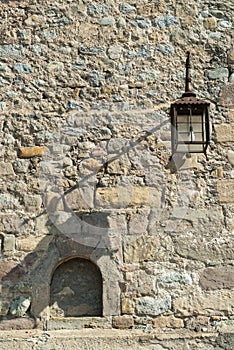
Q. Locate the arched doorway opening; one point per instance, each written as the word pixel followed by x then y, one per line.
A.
pixel 76 289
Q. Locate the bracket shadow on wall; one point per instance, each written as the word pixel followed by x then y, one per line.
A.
pixel 190 128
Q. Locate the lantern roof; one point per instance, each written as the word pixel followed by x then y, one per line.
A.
pixel 189 98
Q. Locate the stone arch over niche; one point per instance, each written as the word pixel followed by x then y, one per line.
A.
pixel 76 289
pixel 63 249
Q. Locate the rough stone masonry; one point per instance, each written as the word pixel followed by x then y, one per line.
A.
pixel 86 179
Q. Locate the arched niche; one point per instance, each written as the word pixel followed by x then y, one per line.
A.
pixel 61 250
pixel 76 289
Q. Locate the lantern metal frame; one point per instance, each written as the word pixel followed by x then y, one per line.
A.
pixel 189 117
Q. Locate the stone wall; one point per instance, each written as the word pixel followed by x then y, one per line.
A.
pixel 86 88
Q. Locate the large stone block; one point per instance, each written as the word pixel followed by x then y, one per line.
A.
pixel 122 197
pixel 213 303
pixel 168 322
pixel 224 132
pixel 225 190
pixel 226 98
pixel 142 248
pixel 204 249
pixel 123 322
pixel 217 278
pixel 153 306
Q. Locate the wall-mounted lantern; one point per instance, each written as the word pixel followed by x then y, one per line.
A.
pixel 190 128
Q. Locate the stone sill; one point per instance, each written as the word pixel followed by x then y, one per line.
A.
pixel 105 333
pixel 57 323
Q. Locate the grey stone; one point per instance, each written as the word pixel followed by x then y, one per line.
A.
pixel 166 21
pixel 91 50
pixel 22 68
pixel 95 78
pixel 20 306
pixel 38 49
pixel 121 22
pixel 115 52
pixel 107 21
pixel 218 73
pixel 166 49
pixel 153 306
pixel 142 23
pixel 95 10
pixel 4 67
pixel 74 105
pixel 127 8
pixel 4 82
pixel 173 280
pixel 2 106
pixel 11 51
pixel 225 24
pixel 49 34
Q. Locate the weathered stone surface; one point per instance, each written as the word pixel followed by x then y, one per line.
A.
pixel 227 96
pixel 127 306
pixel 123 322
pixel 121 197
pixel 225 190
pixel 10 271
pixel 18 323
pixel 6 169
pixel 218 73
pixel 230 155
pixel 33 202
pixel 217 278
pixel 29 152
pixel 224 132
pixel 153 306
pixel 200 249
pixel 9 243
pixel 216 303
pixel 92 82
pixel 168 322
pixel 143 248
pixel 33 243
pixel 20 306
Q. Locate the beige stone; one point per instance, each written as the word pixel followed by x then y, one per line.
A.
pixel 121 197
pixel 123 322
pixel 120 166
pixel 33 203
pixel 127 306
pixel 80 198
pixel 32 243
pixel 224 132
pixel 231 115
pixel 6 169
pixel 230 155
pixel 140 249
pixel 217 278
pixel 29 152
pixel 225 190
pixel 210 23
pixel 168 322
pixel 213 303
pixel 227 95
pixel 9 243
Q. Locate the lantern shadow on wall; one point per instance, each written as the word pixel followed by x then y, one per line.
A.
pixel 190 128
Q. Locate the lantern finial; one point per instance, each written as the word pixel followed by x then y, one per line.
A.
pixel 188 77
